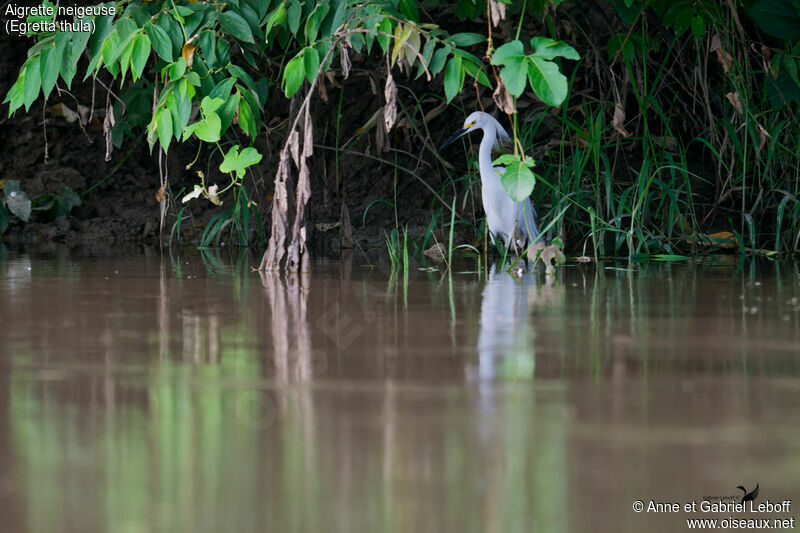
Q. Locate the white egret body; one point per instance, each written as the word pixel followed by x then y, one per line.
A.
pixel 514 222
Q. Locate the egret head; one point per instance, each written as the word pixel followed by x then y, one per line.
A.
pixel 478 120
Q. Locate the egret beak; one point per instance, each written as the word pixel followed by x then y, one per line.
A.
pixel 459 133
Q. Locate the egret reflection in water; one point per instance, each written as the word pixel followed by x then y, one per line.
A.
pixel 507 330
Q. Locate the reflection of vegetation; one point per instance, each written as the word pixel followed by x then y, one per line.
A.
pixel 218 421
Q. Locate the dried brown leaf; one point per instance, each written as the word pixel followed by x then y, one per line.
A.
pixel 308 136
pixel 498 10
pixel 725 59
pixel 764 136
pixel 187 52
pixel 503 99
pixel 344 57
pixel 160 195
pixel 293 144
pixel 618 122
pixel 390 109
pixel 108 124
pixel 733 98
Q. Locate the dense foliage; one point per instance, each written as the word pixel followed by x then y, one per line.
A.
pixel 679 116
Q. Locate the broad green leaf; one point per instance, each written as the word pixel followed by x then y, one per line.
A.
pixel 452 78
pixel 223 88
pixel 235 25
pixel 518 181
pixel 474 67
pixel 16 95
pixel 508 51
pixel 49 69
pixel 125 28
pixel 466 39
pixel 227 111
pixel 438 61
pixel 310 63
pixel 63 203
pixel 384 32
pixel 125 57
pixel 208 129
pixel 277 17
pixel 160 41
pixel 293 75
pixel 238 162
pixel 512 57
pixel 294 13
pixel 16 200
pixel 514 74
pixel 246 121
pixel 141 51
pixel 779 18
pixel 164 127
pixel 209 105
pixel 698 27
pixel 547 81
pixel 548 49
pixel 506 159
pixel 33 81
pixel 315 20
pixel 177 69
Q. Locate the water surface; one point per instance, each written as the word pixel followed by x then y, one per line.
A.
pixel 145 393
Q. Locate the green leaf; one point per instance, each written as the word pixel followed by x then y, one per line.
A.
pixel 315 20
pixel 295 10
pixel 293 75
pixel 15 96
pixel 277 17
pixel 32 82
pixel 16 200
pixel 63 203
pixel 209 129
pixel 310 63
pixel 164 126
pixel 514 75
pixel 466 39
pixel 160 41
pixel 507 52
pixel 548 49
pixel 518 181
pixel 209 105
pixel 384 32
pixel 177 69
pixel 512 57
pixel 223 88
pixel 246 120
pixel 547 81
pixel 506 159
pixel 49 69
pixel 438 61
pixel 227 111
pixel 236 26
pixel 452 78
pixel 141 51
pixel 474 67
pixel 779 18
pixel 698 27
pixel 238 162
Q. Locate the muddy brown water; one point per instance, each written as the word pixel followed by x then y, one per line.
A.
pixel 147 393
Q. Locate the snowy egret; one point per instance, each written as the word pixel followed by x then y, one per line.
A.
pixel 514 222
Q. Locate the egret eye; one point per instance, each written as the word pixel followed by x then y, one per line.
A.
pixel 467 126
